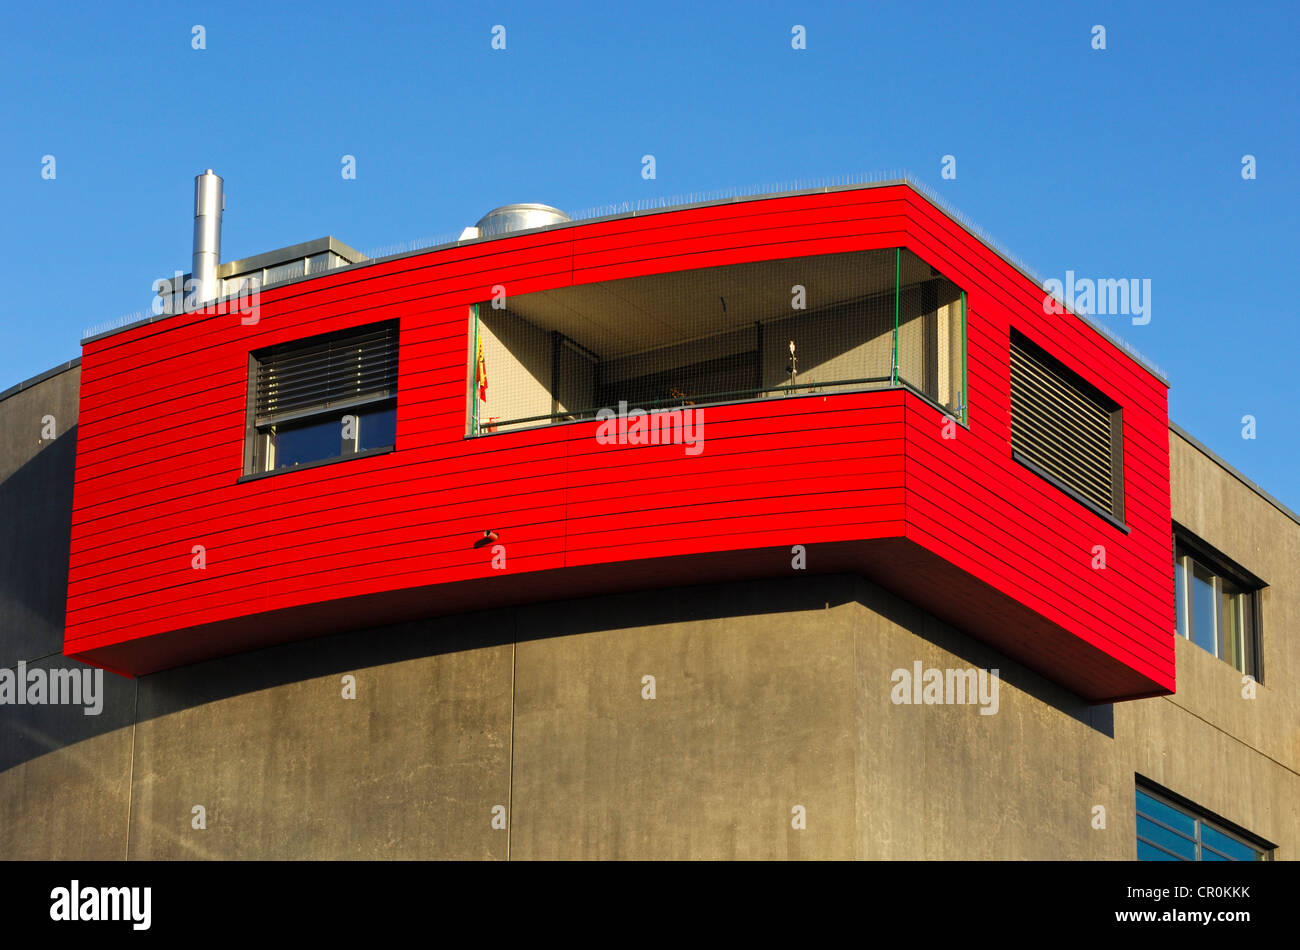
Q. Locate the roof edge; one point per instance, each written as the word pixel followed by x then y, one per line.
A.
pixel 664 205
pixel 39 378
pixel 1219 461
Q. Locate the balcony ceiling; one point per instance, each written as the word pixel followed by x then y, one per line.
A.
pixel 622 317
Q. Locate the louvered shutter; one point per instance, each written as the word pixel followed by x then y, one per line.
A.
pixel 299 380
pixel 1061 427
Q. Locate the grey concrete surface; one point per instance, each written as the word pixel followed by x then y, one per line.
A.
pixel 410 765
pixel 36 514
pixel 752 716
pixel 65 775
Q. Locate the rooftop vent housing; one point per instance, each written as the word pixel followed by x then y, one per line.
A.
pixel 520 217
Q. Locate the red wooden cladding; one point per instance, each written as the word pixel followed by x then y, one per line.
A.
pixel 865 481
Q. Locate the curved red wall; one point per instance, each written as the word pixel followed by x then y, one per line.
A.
pixel 863 480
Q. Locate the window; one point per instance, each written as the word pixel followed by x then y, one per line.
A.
pixel 1172 832
pixel 1065 429
pixel 321 399
pixel 1217 604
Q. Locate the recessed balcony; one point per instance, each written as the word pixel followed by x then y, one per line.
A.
pixel 835 323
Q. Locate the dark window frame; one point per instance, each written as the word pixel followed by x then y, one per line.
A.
pixel 1186 544
pixel 255 434
pixel 1090 392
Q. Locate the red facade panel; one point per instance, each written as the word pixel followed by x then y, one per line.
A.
pixel 865 481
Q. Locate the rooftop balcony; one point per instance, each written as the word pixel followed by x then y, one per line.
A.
pixel 475 425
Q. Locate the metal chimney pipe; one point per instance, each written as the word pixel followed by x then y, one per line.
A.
pixel 209 202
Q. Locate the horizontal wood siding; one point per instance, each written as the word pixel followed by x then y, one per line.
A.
pixel 970 502
pixel 161 447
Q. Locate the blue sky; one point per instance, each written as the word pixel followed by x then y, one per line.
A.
pixel 1116 163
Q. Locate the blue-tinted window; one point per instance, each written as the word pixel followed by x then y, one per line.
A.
pixel 334 435
pixel 310 442
pixel 1167 832
pixel 1203 612
pixel 377 428
pixel 1216 846
pixel 1180 595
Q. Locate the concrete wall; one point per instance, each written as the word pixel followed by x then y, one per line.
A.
pixel 1236 756
pixel 64 776
pixel 768 696
pixel 38 448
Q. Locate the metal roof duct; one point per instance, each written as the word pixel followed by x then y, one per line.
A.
pixel 209 202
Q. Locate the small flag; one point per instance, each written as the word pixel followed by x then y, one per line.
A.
pixel 480 372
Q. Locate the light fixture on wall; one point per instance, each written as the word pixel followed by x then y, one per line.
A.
pixel 489 537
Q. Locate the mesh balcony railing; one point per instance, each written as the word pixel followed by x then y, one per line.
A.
pixel 834 323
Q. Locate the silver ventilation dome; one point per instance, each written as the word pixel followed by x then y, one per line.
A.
pixel 519 217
